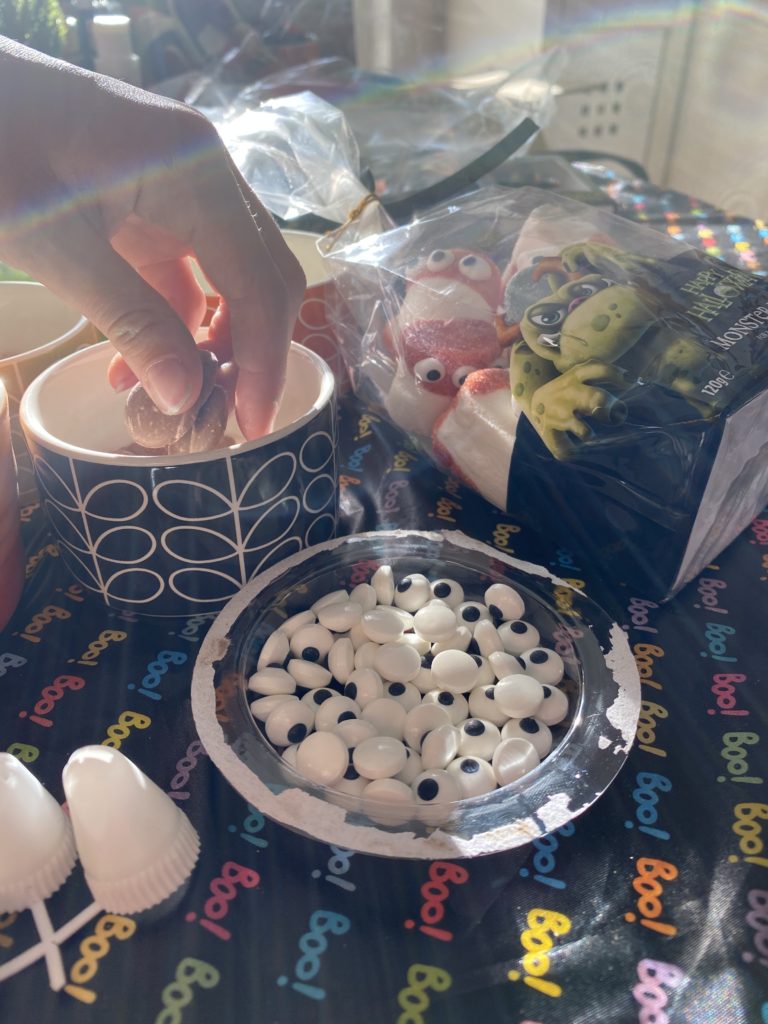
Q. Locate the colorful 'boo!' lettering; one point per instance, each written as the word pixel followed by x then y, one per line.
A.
pixel 121 730
pixel 313 944
pixel 413 999
pixel 179 992
pixel 750 832
pixel 434 893
pixel 537 942
pixel 93 949
pixel 649 889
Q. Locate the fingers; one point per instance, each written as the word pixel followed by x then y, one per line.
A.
pixel 242 253
pixel 157 347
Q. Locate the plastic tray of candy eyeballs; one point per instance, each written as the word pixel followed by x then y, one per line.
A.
pixel 416 694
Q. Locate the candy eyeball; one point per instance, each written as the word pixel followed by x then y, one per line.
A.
pixel 440 747
pixel 504 602
pixel 312 643
pixel 275 649
pixel 470 612
pixel 435 786
pixel 322 757
pixel 435 622
pixel 531 729
pixel 262 707
pixel 519 696
pixel 545 665
pixel 474 776
pixel 397 662
pixel 314 698
pixel 440 259
pixel 449 591
pixel 454 703
pixel 554 706
pixel 272 680
pixel 512 759
pixel 383 583
pixel 459 376
pixel 290 722
pixel 380 757
pixel 429 371
pixel 412 592
pixel 309 674
pixel 518 636
pixel 363 686
pixel 332 712
pixel 404 693
pixel 475 268
pixel 478 738
pixel 482 704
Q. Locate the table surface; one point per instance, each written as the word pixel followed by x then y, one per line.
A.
pixel 652 906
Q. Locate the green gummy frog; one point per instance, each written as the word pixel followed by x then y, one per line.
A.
pixel 580 346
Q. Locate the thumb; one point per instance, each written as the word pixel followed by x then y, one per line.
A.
pixel 79 264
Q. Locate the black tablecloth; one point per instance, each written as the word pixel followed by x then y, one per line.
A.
pixel 652 906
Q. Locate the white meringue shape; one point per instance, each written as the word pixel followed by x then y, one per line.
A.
pixel 137 847
pixel 37 848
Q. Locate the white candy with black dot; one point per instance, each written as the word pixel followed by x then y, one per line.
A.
pixel 531 729
pixel 380 757
pixel 512 759
pixel 412 592
pixel 383 582
pixel 554 707
pixel 474 775
pixel 448 590
pixel 387 716
pixel 323 758
pixel 318 696
pixel 478 738
pixel 421 720
pixel 290 722
pixel 364 685
pixel 289 755
pixel 397 662
pixel 341 659
pixel 435 622
pixel 263 706
pixel 272 680
pixel 309 673
pixel 275 650
pixel 470 612
pixel 519 695
pixel 337 709
pixel 312 643
pixel 435 786
pixel 454 703
pixel 518 636
pixel 382 625
pixel 440 747
pixel 404 693
pixel 455 671
pixel 482 704
pixel 340 616
pixel 504 602
pixel 545 665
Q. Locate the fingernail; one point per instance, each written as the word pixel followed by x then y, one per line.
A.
pixel 168 385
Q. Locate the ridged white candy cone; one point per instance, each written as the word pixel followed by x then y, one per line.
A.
pixel 37 849
pixel 136 846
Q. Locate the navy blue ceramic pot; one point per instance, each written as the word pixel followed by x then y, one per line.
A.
pixel 178 535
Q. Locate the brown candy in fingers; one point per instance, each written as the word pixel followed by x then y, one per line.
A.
pixel 198 429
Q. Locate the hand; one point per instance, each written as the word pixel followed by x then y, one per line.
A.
pixel 105 190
